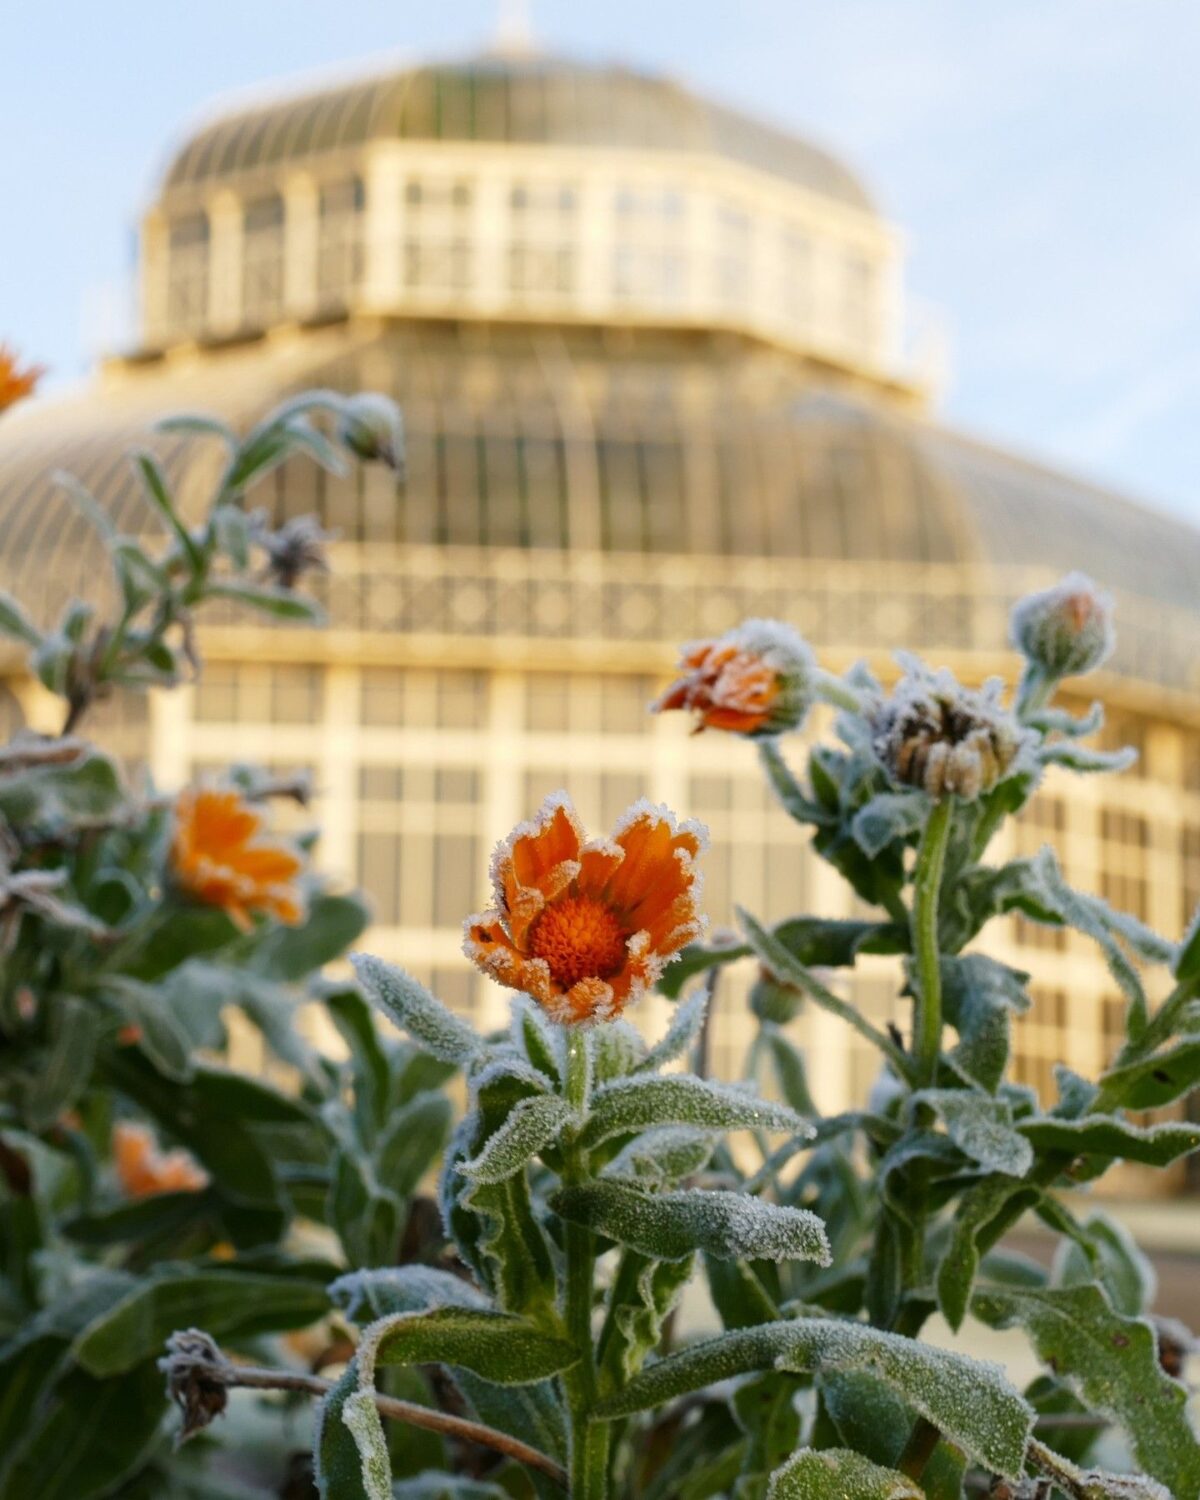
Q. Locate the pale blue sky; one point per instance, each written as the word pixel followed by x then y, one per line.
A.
pixel 1041 156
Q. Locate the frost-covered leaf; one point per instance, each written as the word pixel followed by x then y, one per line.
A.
pixel 765 1409
pixel 738 1293
pixel 1096 1484
pixel 979 997
pixel 838 1474
pixel 638 1103
pixel 431 1486
pixel 888 816
pixel 661 1157
pixel 364 1296
pixel 991 1202
pixel 411 1142
pixel 533 1125
pixel 1103 1250
pixel 970 1402
pixel 614 1050
pixel 1083 758
pixel 669 1226
pixel 790 1071
pixel 414 1010
pixel 537 1039
pixel 1186 966
pixel 1111 1139
pixel 685 1027
pixel 642 1295
pixel 1154 1081
pixel 343 1469
pixel 868 1417
pixel 1113 1362
pixel 981 1128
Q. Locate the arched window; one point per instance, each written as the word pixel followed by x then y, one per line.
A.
pixel 341 245
pixel 262 260
pixel 188 272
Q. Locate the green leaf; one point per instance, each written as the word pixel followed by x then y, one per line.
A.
pixel 790 1071
pixel 614 1050
pixel 1083 759
pixel 979 998
pixel 869 1417
pixel 46 797
pixel 837 1473
pixel 414 1010
pixel 91 1435
pixel 349 1465
pixel 431 1486
pixel 1157 1080
pixel 412 1141
pixel 669 1226
pixel 66 1067
pixel 141 1219
pixel 284 604
pixel 737 1293
pixel 633 1104
pixel 15 622
pixel 1186 967
pixel 154 482
pixel 643 1294
pixel 785 786
pixel 660 1157
pixel 1113 1362
pixel 981 1128
pixel 365 1216
pixel 533 1125
pixel 686 1025
pixel 365 1296
pixel 788 969
pixel 196 425
pixel 1103 1250
pixel 887 817
pixel 989 1203
pixel 330 925
pixel 229 1304
pixel 163 1039
pixel 1109 1138
pixel 970 1402
pixel 532 1035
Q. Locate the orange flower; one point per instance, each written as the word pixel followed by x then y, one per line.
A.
pixel 144 1170
pixel 755 680
pixel 221 857
pixel 586 928
pixel 16 383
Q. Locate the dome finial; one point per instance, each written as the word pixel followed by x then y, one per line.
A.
pixel 514 29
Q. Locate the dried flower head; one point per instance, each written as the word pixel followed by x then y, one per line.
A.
pixel 16 382
pixel 937 735
pixel 585 928
pixel 1065 630
pixel 223 856
pixel 144 1170
pixel 754 680
pixel 372 428
pixel 296 548
pixel 197 1382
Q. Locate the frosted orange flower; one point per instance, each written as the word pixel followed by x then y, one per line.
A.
pixel 585 928
pixel 755 680
pixel 144 1170
pixel 16 383
pixel 222 856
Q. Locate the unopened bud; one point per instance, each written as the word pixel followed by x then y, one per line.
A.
pixel 372 428
pixel 757 680
pixel 945 739
pixel 1065 630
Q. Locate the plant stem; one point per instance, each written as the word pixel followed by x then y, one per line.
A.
pixel 927 884
pixel 223 1373
pixel 589 1438
pixel 923 1439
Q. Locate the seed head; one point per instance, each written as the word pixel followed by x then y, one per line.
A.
pixel 372 428
pixel 1065 630
pixel 943 738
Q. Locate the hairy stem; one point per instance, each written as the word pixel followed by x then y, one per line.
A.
pixel 927 884
pixel 222 1372
pixel 589 1438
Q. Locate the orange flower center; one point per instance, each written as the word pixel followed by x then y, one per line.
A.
pixel 580 938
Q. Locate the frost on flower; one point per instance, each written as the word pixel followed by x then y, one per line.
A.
pixel 585 927
pixel 754 680
pixel 943 738
pixel 1067 629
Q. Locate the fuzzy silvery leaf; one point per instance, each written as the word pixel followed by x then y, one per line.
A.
pixel 669 1226
pixel 641 1298
pixel 1112 1139
pixel 414 1010
pixel 431 1486
pixel 365 1216
pixel 871 1419
pixel 685 1027
pixel 16 623
pixel 348 1464
pixel 737 1293
pixel 363 1296
pixel 412 1141
pixel 1186 965
pixel 971 1403
pixel 790 1072
pixel 1096 1484
pixel 979 997
pixel 1113 1363
pixel 614 1050
pixel 664 1155
pixel 990 1202
pixel 887 817
pixel 981 1128
pixel 1154 1081
pixel 540 1043
pixel 633 1104
pixel 764 1407
pixel 1103 1250
pixel 1082 758
pixel 834 1474
pixel 533 1125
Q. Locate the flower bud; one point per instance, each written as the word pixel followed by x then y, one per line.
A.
pixel 757 680
pixel 945 739
pixel 16 382
pixel 372 428
pixel 1064 630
